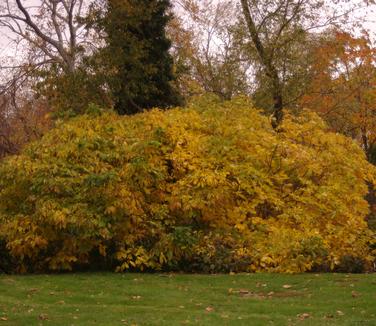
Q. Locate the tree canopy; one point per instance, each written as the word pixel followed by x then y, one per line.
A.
pixel 137 55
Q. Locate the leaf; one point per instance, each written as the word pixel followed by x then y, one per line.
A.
pixel 355 294
pixel 43 317
pixel 304 316
pixel 209 309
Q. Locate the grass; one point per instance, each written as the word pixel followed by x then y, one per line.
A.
pixel 147 299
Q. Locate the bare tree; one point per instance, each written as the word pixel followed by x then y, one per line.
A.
pixel 45 34
pixel 209 46
pixel 52 30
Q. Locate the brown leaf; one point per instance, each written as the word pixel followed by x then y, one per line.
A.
pixel 340 313
pixel 43 317
pixel 243 291
pixel 355 294
pixel 209 309
pixel 304 316
pixel 32 291
pixel 287 286
pixel 3 318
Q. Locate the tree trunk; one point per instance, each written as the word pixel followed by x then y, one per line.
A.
pixel 267 62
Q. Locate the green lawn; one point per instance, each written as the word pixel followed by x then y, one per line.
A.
pixel 147 299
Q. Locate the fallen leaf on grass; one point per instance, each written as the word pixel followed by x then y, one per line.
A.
pixel 355 294
pixel 304 316
pixel 261 284
pixel 3 318
pixel 340 313
pixel 209 309
pixel 243 291
pixel 136 297
pixel 31 292
pixel 287 286
pixel 43 317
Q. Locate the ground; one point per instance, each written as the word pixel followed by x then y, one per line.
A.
pixel 176 299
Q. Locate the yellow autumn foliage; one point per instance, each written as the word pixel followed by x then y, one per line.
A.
pixel 211 187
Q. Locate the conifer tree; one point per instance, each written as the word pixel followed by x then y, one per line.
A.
pixel 137 53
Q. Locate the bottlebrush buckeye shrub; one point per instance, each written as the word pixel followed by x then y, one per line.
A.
pixel 211 188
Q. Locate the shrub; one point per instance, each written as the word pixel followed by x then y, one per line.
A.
pixel 211 188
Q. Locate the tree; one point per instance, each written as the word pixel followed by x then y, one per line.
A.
pixel 53 42
pixel 48 32
pixel 22 119
pixel 140 67
pixel 274 29
pixel 343 87
pixel 343 92
pixel 206 46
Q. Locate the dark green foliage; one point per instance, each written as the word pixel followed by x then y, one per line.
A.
pixel 351 264
pixel 137 54
pixel 372 154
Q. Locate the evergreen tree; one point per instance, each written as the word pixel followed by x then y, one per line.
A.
pixel 137 54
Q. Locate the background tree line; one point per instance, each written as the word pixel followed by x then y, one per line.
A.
pixel 134 55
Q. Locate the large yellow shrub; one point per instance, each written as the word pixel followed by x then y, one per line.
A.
pixel 212 187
